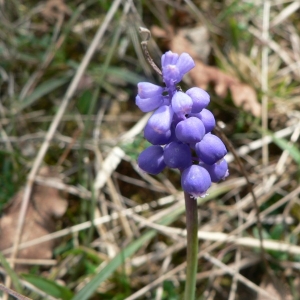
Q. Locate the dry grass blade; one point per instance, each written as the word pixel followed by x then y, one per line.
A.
pixel 285 13
pixel 70 92
pixel 13 293
pixel 264 83
pixel 68 82
pixel 241 278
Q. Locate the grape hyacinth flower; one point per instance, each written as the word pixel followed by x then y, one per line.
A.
pixel 180 129
pixel 180 133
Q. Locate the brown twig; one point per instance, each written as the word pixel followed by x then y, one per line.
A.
pixel 13 293
pixel 148 57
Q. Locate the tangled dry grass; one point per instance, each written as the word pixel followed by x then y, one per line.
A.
pixel 68 74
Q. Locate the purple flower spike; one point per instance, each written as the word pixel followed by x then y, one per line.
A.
pixel 195 180
pixel 180 126
pixel 149 90
pixel 151 160
pixel 185 63
pixel 200 99
pixel 177 155
pixel 210 149
pixel 181 104
pixel 190 130
pixel 218 171
pixel 207 119
pixel 148 104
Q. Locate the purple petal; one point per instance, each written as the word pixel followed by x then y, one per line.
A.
pixel 161 119
pixel 151 160
pixel 185 63
pixel 210 149
pixel 207 119
pixel 181 104
pixel 200 99
pixel 171 75
pixel 149 90
pixel 148 104
pixel 218 171
pixel 158 128
pixel 177 155
pixel 157 138
pixel 190 130
pixel 169 58
pixel 195 180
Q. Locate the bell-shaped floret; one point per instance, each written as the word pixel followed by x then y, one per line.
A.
pixel 161 119
pixel 151 160
pixel 190 130
pixel 149 90
pixel 200 99
pixel 207 119
pixel 210 149
pixel 181 104
pixel 177 155
pixel 169 58
pixel 218 171
pixel 158 128
pixel 195 180
pixel 148 104
pixel 185 63
pixel 171 75
pixel 149 96
pixel 157 138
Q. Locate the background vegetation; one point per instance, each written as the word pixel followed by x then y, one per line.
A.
pixel 98 227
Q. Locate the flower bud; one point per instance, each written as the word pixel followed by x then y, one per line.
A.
pixel 149 90
pixel 190 130
pixel 218 171
pixel 207 119
pixel 177 155
pixel 181 104
pixel 151 160
pixel 171 75
pixel 148 104
pixel 210 149
pixel 161 119
pixel 169 58
pixel 185 63
pixel 199 97
pixel 195 180
pixel 157 138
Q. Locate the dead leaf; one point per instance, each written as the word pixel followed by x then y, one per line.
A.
pixel 45 203
pixel 195 42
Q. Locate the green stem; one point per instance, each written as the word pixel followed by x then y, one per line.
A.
pixel 192 246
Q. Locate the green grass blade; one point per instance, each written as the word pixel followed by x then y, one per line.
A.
pixel 48 286
pixel 14 277
pixel 118 260
pixel 42 90
pixel 120 73
pixel 285 145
